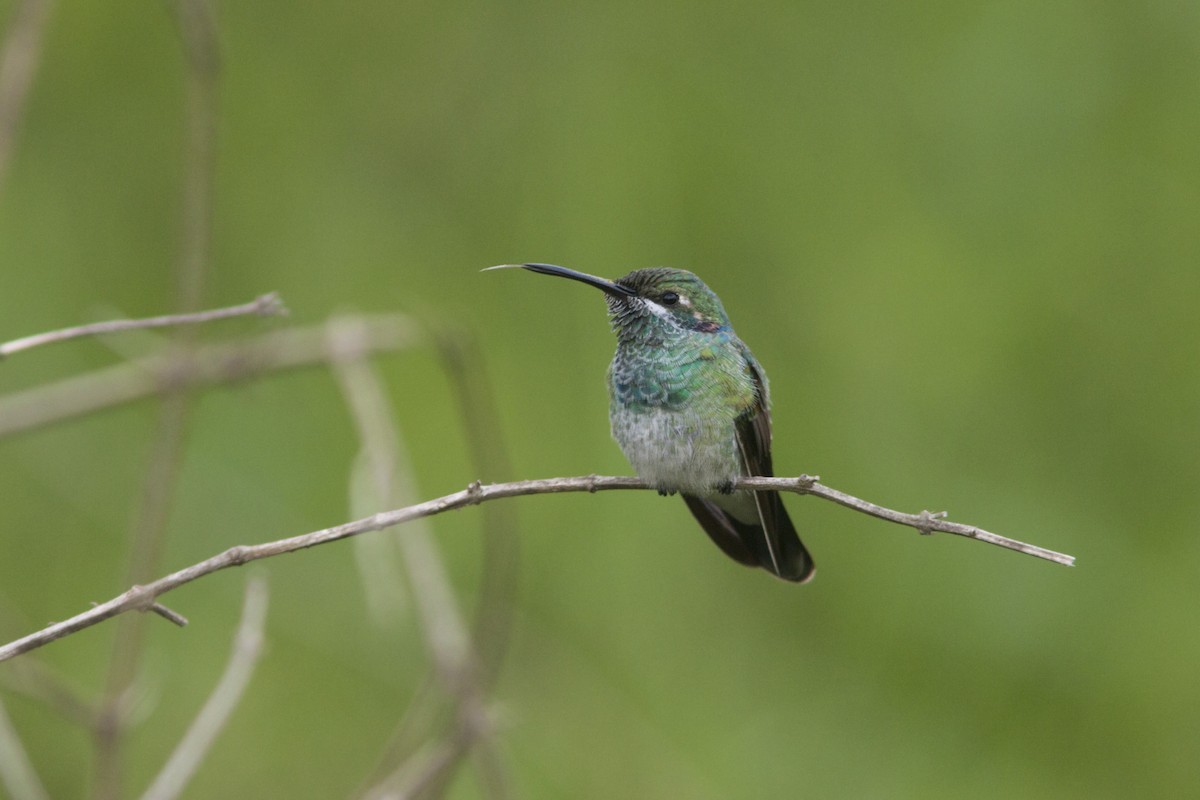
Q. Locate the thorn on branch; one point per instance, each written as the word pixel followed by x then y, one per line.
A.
pixel 169 615
pixel 926 519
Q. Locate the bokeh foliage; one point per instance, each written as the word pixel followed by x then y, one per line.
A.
pixel 962 239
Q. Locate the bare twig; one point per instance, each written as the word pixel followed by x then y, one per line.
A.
pixel 139 598
pixel 926 522
pixel 18 65
pixel 202 366
pixel 174 617
pixel 268 305
pixel 247 647
pixel 16 771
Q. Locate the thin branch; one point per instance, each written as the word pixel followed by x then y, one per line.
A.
pixel 174 617
pixel 247 647
pixel 927 522
pixel 18 66
pixel 200 367
pixel 268 305
pixel 16 771
pixel 140 598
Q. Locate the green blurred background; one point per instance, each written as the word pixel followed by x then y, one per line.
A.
pixel 961 238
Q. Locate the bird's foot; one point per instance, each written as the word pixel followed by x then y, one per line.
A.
pixel 725 487
pixel 665 492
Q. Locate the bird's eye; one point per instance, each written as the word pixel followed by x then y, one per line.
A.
pixel 669 298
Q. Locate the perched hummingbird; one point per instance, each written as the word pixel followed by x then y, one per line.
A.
pixel 689 410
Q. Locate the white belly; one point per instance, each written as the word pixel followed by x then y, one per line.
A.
pixel 677 451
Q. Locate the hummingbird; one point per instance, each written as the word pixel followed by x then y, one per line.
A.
pixel 689 409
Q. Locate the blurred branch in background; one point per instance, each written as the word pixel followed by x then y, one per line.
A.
pixel 16 772
pixel 33 679
pixel 18 65
pixel 384 469
pixel 22 50
pixel 148 537
pixel 177 370
pixel 247 647
pixel 345 344
pixel 465 368
pixel 141 597
pixel 198 31
pixel 201 367
pixel 267 305
pixel 406 765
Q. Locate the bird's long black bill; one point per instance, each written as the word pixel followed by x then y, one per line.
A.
pixel 603 284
